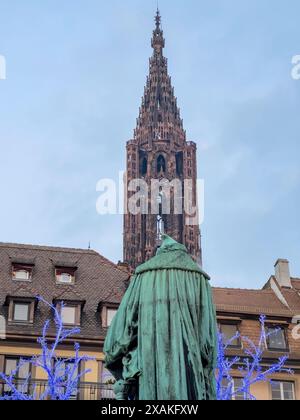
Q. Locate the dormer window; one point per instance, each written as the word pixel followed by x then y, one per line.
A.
pixel 21 310
pixel 21 272
pixel 111 313
pixel 65 278
pixel 21 275
pixel 108 312
pixel 70 312
pixel 65 275
pixel 68 315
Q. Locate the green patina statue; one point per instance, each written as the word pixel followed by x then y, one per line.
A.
pixel 162 343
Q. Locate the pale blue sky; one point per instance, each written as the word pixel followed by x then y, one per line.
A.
pixel 75 75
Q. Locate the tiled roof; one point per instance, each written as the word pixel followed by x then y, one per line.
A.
pixel 293 299
pixel 296 284
pixel 256 301
pixel 97 280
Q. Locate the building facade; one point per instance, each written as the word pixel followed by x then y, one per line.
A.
pixel 239 310
pixel 91 288
pixel 160 152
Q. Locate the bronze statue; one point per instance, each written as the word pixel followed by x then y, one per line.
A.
pixel 162 343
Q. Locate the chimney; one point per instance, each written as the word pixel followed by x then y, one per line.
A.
pixel 123 266
pixel 282 273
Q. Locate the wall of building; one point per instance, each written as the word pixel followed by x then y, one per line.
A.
pixel 262 391
pixel 250 328
pixel 95 366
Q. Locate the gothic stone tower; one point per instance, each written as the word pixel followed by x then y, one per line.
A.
pixel 159 150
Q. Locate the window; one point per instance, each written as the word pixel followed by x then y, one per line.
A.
pixel 237 386
pixel 230 331
pixel 234 387
pixel 65 276
pixel 144 166
pixel 69 315
pixel 70 312
pixel 110 316
pixel 69 371
pixel 21 273
pixel 107 379
pixel 276 339
pixel 21 312
pixel 108 312
pixel 283 391
pixel 179 163
pixel 21 374
pixel 161 164
pixel 2 331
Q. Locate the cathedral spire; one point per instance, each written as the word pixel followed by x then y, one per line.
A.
pixel 159 116
pixel 159 151
pixel 158 41
pixel 158 19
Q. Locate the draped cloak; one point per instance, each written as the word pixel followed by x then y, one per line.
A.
pixel 164 333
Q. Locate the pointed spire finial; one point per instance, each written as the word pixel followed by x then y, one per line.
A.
pixel 158 41
pixel 158 19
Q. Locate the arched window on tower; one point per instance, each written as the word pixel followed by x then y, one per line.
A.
pixel 143 159
pixel 161 164
pixel 179 163
pixel 144 165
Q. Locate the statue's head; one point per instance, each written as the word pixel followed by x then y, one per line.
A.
pixel 169 244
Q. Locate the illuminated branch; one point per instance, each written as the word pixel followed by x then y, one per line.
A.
pixel 250 366
pixel 63 375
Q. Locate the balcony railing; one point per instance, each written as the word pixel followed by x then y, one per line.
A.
pixel 86 391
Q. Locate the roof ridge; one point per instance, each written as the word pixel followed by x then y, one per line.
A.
pixel 46 247
pixel 250 309
pixel 61 250
pixel 242 289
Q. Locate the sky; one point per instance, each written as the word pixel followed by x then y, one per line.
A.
pixel 75 76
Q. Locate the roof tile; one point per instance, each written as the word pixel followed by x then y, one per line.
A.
pixel 96 280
